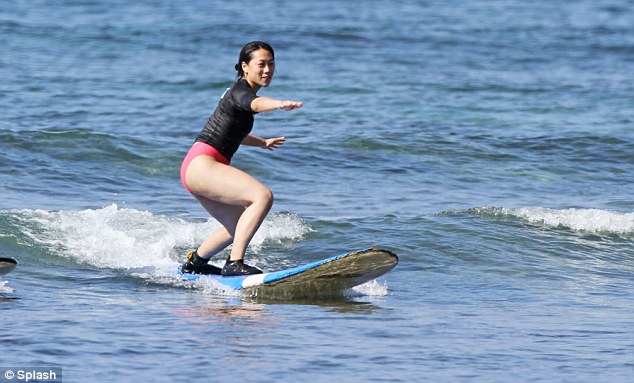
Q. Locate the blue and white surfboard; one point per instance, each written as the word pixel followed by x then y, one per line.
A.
pixel 329 276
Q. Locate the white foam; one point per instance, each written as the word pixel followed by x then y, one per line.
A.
pixel 373 288
pixel 4 289
pixel 590 220
pixel 278 228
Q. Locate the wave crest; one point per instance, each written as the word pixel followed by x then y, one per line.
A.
pixel 586 220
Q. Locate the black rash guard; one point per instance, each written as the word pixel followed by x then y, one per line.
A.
pixel 232 120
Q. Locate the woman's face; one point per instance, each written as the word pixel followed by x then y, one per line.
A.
pixel 259 71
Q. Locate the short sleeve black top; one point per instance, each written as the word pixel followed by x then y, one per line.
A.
pixel 232 120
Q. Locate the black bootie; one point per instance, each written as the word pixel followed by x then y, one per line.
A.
pixel 194 264
pixel 239 268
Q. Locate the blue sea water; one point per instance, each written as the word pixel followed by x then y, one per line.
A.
pixel 490 144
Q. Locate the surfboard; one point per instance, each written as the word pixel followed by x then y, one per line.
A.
pixel 326 277
pixel 7 264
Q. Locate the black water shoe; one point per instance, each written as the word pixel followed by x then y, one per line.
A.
pixel 239 268
pixel 197 265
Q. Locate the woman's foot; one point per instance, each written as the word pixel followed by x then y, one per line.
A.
pixel 239 268
pixel 197 265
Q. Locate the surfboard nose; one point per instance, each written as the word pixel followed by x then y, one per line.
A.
pixel 7 264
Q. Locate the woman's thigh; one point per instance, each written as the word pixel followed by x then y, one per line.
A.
pixel 215 181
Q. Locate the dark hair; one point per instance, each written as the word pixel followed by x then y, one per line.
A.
pixel 246 54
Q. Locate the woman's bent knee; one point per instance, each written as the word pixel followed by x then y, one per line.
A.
pixel 265 197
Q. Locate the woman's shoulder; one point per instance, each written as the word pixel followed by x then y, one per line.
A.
pixel 239 87
pixel 238 96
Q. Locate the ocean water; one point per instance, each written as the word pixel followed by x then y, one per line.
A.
pixel 490 144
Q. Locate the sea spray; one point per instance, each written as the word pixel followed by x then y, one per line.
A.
pixel 130 239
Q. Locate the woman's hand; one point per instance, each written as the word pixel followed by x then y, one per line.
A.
pixel 273 143
pixel 264 143
pixel 289 105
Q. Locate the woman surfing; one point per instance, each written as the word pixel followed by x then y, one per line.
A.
pixel 237 200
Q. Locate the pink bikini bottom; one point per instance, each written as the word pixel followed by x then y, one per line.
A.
pixel 200 149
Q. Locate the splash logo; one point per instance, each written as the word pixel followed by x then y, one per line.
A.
pixel 20 374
